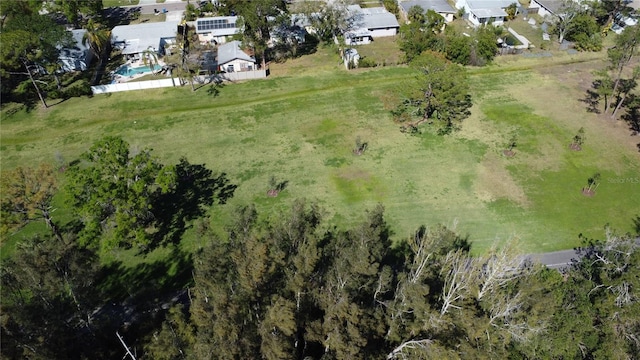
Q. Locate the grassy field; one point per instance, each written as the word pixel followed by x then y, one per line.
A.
pixel 301 124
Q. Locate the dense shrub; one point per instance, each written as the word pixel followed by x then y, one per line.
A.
pixel 366 62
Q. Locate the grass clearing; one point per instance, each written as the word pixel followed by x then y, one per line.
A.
pixel 302 129
pixel 115 3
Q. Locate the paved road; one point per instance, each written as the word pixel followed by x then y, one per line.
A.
pixel 150 7
pixel 560 259
pixel 556 259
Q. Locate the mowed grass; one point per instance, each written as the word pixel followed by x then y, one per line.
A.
pixel 302 129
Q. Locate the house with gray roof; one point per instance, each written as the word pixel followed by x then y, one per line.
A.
pixel 231 58
pixel 133 40
pixel 480 12
pixel 79 56
pixel 441 7
pixel 369 23
pixel 545 7
pixel 216 29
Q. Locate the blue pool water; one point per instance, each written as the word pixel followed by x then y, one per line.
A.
pixel 125 70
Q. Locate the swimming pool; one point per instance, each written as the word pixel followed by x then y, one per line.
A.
pixel 125 70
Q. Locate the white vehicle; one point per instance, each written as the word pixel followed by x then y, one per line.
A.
pixel 617 28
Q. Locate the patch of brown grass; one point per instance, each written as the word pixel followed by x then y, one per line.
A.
pixel 495 182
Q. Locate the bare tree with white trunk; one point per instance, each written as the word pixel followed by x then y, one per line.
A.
pixel 499 267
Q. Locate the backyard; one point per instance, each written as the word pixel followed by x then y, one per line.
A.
pixel 300 125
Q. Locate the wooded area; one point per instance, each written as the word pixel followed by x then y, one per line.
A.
pixel 288 285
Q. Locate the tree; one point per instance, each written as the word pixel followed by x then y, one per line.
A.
pixel 605 12
pixel 21 49
pixel 458 47
pixel 434 21
pixel 30 44
pixel 563 18
pixel 592 184
pixel 414 40
pixel 176 338
pixel 578 139
pixel 98 38
pixel 26 197
pixel 48 300
pixel 416 14
pixel 511 144
pixel 512 11
pixel 457 280
pixel 620 57
pixel 391 6
pixel 330 21
pixel 584 31
pixel 597 314
pixel 484 45
pixel 255 21
pixel 74 9
pixel 439 95
pixel 114 192
pixel 12 9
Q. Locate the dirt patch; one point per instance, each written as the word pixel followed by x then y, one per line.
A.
pixel 575 147
pixel 495 182
pixel 578 75
pixel 354 174
pixel 588 192
pixel 508 153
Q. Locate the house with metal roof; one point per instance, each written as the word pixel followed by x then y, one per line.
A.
pixel 216 29
pixel 545 7
pixel 441 7
pixel 133 40
pixel 79 56
pixel 370 23
pixel 231 58
pixel 480 12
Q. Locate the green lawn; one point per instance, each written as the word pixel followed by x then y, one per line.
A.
pixel 113 3
pixel 302 129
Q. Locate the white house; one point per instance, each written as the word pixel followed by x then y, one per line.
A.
pixel 78 57
pixel 441 7
pixel 370 23
pixel 545 7
pixel 485 11
pixel 216 29
pixel 231 58
pixel 138 38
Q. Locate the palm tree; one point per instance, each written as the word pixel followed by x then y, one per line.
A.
pixel 149 58
pixel 99 38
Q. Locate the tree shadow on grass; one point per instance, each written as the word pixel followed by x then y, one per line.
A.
pixel 145 282
pixel 134 299
pixel 197 189
pixel 632 116
pixel 592 99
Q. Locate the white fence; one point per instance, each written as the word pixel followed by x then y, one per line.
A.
pixel 244 75
pixel 134 85
pixel 153 84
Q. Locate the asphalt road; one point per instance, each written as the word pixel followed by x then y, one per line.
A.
pixel 560 259
pixel 556 259
pixel 149 8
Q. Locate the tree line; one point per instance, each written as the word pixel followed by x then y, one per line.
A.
pixel 284 285
pixel 31 68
